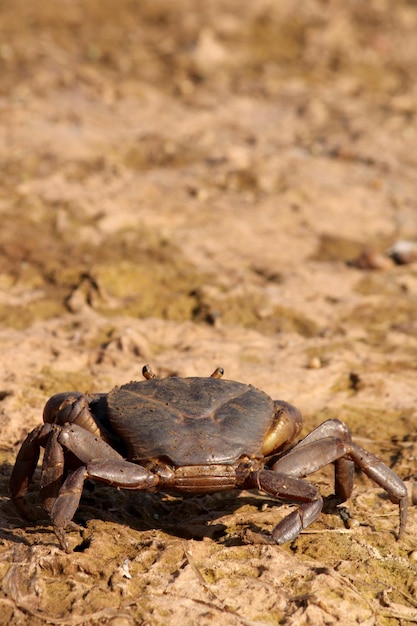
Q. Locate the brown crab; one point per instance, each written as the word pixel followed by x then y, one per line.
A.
pixel 190 435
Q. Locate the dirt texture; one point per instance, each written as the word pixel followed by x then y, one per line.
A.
pixel 184 183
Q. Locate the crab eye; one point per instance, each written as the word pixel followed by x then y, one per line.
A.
pixel 218 373
pixel 147 372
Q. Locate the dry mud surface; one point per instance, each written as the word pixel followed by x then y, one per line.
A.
pixel 182 184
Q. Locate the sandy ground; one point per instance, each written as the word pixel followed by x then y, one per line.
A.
pixel 183 184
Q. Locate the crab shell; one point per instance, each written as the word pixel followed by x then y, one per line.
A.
pixel 196 421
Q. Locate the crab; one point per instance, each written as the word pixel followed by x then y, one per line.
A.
pixel 190 436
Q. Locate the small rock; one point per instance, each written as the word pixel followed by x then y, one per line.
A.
pixel 403 252
pixel 315 363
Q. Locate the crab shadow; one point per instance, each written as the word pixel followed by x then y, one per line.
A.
pixel 183 516
pixel 232 518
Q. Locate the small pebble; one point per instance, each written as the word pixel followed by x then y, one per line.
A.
pixel 315 363
pixel 403 252
pixel 125 569
pixel 352 523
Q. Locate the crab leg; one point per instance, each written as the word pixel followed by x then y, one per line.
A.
pixel 282 486
pixel 52 472
pixel 291 526
pixel 344 467
pixel 25 466
pixel 100 462
pixel 324 445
